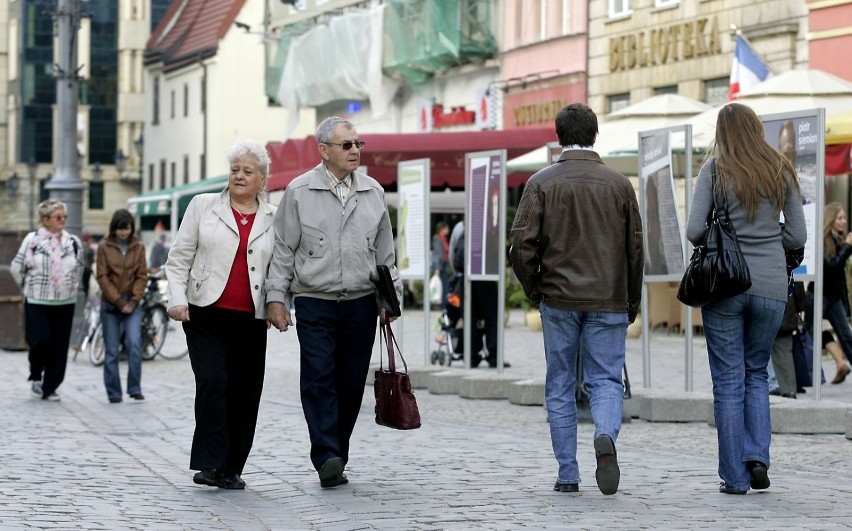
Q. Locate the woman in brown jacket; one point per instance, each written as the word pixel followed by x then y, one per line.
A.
pixel 122 273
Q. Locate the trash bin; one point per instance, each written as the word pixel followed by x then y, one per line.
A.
pixel 11 312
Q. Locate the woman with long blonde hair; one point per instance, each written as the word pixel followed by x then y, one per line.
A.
pixel 835 293
pixel 758 183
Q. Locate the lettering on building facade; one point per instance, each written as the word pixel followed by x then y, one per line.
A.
pixel 669 44
pixel 537 113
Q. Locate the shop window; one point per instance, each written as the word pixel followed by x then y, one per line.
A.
pixel 716 91
pixel 619 8
pixel 668 89
pixel 617 102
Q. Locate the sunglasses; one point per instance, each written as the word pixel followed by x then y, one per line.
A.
pixel 346 146
pixel 59 217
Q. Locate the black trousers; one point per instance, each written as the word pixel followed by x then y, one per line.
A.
pixel 336 341
pixel 483 306
pixel 48 333
pixel 227 350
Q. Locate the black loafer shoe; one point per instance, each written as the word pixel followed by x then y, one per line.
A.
pixel 725 489
pixel 607 473
pixel 114 399
pixel 137 396
pixel 759 475
pixel 566 487
pixel 331 473
pixel 232 482
pixel 211 478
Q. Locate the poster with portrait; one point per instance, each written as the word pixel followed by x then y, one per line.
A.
pixel 662 233
pixel 486 214
pixel 412 225
pixel 799 136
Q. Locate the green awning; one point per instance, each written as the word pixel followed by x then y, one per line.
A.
pixel 162 202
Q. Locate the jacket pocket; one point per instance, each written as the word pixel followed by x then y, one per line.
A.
pixel 314 270
pixel 197 276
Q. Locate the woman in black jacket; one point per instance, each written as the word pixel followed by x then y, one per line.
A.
pixel 835 294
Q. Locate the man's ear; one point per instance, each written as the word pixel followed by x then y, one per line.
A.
pixel 323 149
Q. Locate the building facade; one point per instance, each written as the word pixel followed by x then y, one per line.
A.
pixel 110 42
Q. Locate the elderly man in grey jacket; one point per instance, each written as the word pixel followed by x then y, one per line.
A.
pixel 332 229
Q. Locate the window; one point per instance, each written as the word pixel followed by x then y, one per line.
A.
pixel 203 98
pixel 716 91
pixel 162 174
pixel 665 3
pixel 172 102
pixel 617 101
pixel 155 119
pixel 619 8
pixel 174 174
pixel 202 167
pixel 96 195
pixel 150 177
pixel 185 169
pixel 185 100
pixel 668 89
pixel 542 21
pixel 43 192
pixel 566 17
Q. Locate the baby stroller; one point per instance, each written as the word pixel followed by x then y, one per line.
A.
pixel 450 338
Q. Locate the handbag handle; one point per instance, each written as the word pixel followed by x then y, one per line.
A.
pixel 716 209
pixel 390 341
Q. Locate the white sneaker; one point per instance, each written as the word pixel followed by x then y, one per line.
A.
pixel 36 389
pixel 53 397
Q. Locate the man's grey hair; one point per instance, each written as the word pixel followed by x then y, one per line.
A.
pixel 249 147
pixel 325 129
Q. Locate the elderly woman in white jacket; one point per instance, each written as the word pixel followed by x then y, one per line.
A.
pixel 216 270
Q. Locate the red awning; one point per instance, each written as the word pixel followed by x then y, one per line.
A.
pixel 838 159
pixel 384 151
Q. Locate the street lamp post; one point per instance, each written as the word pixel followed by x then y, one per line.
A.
pixel 33 170
pixel 66 184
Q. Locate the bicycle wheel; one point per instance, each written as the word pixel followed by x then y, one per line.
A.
pixel 97 350
pixel 155 325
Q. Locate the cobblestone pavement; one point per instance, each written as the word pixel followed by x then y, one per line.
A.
pixel 475 464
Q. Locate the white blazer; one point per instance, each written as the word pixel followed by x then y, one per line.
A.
pixel 201 256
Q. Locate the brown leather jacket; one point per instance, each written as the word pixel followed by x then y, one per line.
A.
pixel 119 275
pixel 577 237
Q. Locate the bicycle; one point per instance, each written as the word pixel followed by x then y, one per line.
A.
pixel 155 327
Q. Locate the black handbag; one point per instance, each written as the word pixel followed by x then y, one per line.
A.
pixel 717 269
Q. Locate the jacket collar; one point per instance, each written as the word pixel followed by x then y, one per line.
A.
pixel 319 181
pixel 262 220
pixel 580 154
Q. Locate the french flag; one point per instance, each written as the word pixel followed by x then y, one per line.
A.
pixel 748 70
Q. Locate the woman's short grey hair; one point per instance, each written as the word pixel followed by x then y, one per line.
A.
pixel 325 130
pixel 248 147
pixel 48 207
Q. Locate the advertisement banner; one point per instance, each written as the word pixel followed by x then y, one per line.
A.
pixel 660 215
pixel 412 224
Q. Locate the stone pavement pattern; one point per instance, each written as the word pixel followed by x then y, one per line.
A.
pixel 475 464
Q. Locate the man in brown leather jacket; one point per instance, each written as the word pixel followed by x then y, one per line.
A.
pixel 577 251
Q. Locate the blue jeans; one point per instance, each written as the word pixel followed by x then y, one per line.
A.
pixel 111 320
pixel 739 332
pixel 603 336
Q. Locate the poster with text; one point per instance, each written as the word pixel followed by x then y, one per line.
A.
pixel 661 220
pixel 412 216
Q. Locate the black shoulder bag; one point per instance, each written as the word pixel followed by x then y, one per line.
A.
pixel 717 269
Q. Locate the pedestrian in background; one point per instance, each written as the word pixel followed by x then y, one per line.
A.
pixel 782 365
pixel 122 273
pixel 88 252
pixel 216 267
pixel 835 292
pixel 758 183
pixel 159 253
pixel 48 268
pixel 441 258
pixel 587 288
pixel 332 229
